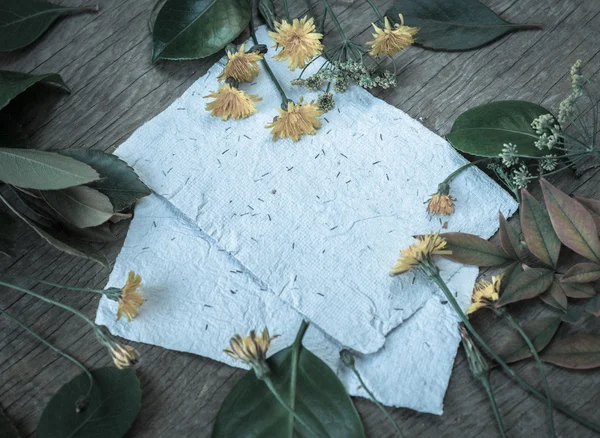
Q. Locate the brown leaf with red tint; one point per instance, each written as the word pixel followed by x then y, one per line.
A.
pixel 579 351
pixel 528 284
pixel 538 233
pixel 582 273
pixel 473 250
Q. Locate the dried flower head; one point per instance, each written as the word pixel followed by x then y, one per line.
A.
pixel 548 163
pixel 326 102
pixel 509 154
pixel 299 41
pixel 441 202
pixel 420 252
pixel 389 41
pixel 521 177
pixel 231 102
pixel 130 298
pixel 241 66
pixel 485 293
pixel 123 356
pixel 295 121
pixel 480 369
pixel 252 350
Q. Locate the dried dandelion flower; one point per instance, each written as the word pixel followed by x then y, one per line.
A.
pixel 241 66
pixel 252 350
pixel 130 298
pixel 441 202
pixel 231 102
pixel 299 41
pixel 485 293
pixel 123 356
pixel 389 41
pixel 420 252
pixel 298 119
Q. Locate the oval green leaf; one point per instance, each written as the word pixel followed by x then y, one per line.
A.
pixel 555 296
pixel 540 331
pixel 483 130
pixel 539 235
pixel 582 273
pixel 593 306
pixel 573 224
pixel 580 351
pixel 13 83
pixel 81 206
pixel 578 290
pixel 470 249
pixel 509 239
pixel 453 24
pixel 114 403
pixel 32 169
pixel 528 284
pixel 192 29
pixel 574 316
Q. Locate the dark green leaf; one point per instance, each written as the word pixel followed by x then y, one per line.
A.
pixel 473 250
pixel 578 290
pixel 573 224
pixel 8 235
pixel 266 8
pixel 574 316
pixel 7 429
pixel 31 169
pixel 579 351
pixel 13 83
pixel 192 29
pixel 24 21
pixel 582 273
pixel 511 272
pixel 528 284
pixel 11 133
pixel 114 403
pixel 540 332
pixel 483 130
pixel 81 206
pixel 555 296
pixel 593 306
pixel 119 181
pixel 539 235
pixel 453 24
pixel 250 410
pixel 509 239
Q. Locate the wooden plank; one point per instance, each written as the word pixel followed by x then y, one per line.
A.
pixel 105 59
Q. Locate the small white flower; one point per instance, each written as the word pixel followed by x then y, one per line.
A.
pixel 508 154
pixel 521 177
pixel 549 163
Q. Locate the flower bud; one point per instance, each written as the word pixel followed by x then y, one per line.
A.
pixel 347 358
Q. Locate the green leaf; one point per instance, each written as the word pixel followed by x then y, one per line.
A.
pixel 266 9
pixel 7 429
pixel 593 306
pixel 509 239
pixel 81 206
pixel 250 409
pixel 473 250
pixel 578 290
pixel 539 235
pixel 453 24
pixel 484 130
pixel 8 235
pixel 528 284
pixel 192 29
pixel 511 272
pixel 11 133
pixel 580 351
pixel 573 224
pixel 24 21
pixel 574 316
pixel 13 83
pixel 555 296
pixel 582 273
pixel 593 206
pixel 119 181
pixel 114 404
pixel 540 331
pixel 31 169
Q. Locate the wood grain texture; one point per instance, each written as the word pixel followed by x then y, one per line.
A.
pixel 105 60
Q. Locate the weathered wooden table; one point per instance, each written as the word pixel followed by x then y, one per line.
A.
pixel 105 60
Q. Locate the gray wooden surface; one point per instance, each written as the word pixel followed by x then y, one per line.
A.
pixel 105 59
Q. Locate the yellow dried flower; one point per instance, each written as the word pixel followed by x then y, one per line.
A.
pixel 389 41
pixel 485 293
pixel 130 298
pixel 231 102
pixel 299 41
pixel 252 349
pixel 241 66
pixel 441 203
pixel 425 247
pixel 124 356
pixel 297 120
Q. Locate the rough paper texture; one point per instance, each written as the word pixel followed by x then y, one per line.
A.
pixel 198 296
pixel 320 221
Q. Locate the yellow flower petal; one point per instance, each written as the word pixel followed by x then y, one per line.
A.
pixel 241 66
pixel 389 41
pixel 297 120
pixel 130 298
pixel 441 204
pixel 425 247
pixel 299 42
pixel 231 102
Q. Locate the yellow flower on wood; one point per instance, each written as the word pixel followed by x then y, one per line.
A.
pixel 299 41
pixel 485 293
pixel 231 102
pixel 241 66
pixel 440 203
pixel 130 298
pixel 419 252
pixel 390 40
pixel 252 350
pixel 124 356
pixel 298 119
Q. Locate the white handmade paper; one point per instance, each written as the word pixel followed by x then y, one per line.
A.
pixel 198 296
pixel 319 222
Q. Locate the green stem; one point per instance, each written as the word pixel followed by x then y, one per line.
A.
pixel 54 348
pixel 490 394
pixel 287 11
pixel 454 174
pixel 335 20
pixel 517 326
pixel 377 403
pixel 62 286
pixel 433 273
pixel 376 9
pixel 294 375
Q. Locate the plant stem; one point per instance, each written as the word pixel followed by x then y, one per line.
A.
pixel 294 376
pixel 376 9
pixel 490 394
pixel 454 174
pixel 435 276
pixel 503 313
pixel 62 286
pixel 335 20
pixel 287 11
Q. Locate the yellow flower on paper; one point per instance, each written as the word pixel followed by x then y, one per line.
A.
pixel 130 298
pixel 440 203
pixel 485 293
pixel 241 66
pixel 231 102
pixel 298 119
pixel 252 349
pixel 419 252
pixel 389 41
pixel 299 41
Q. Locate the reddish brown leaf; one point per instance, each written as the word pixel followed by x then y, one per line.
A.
pixel 509 239
pixel 509 274
pixel 573 224
pixel 473 250
pixel 593 206
pixel 528 284
pixel 578 290
pixel 540 332
pixel 538 233
pixel 593 306
pixel 555 296
pixel 582 273
pixel 579 351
